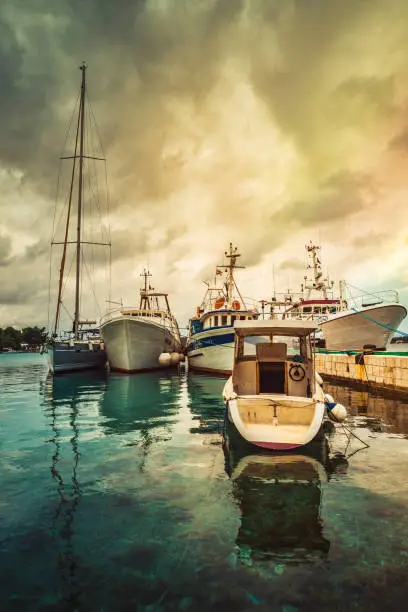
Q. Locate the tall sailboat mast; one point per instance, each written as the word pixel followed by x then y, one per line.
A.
pixel 83 68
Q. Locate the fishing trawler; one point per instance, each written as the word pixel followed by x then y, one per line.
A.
pixel 210 339
pixel 143 338
pixel 81 347
pixel 274 398
pixel 370 322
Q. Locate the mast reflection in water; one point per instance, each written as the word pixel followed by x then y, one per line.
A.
pixel 62 400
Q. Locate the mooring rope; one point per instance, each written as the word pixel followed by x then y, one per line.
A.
pixel 398 331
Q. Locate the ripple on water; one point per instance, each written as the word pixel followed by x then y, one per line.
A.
pixel 120 492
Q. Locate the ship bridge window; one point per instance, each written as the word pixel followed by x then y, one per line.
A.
pixel 224 320
pixel 216 321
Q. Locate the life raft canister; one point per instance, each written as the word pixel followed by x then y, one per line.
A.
pixel 219 302
pixel 236 305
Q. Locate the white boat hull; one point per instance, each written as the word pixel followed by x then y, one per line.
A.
pixel 274 433
pixel 212 351
pixel 351 330
pixel 62 357
pixel 134 345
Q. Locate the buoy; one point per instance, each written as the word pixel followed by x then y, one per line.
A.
pixel 336 412
pixel 174 358
pixel 165 359
pixel 219 302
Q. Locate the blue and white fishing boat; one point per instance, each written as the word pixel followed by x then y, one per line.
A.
pixel 210 340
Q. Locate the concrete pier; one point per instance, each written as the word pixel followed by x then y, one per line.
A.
pixel 388 371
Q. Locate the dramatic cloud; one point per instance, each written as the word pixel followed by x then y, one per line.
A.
pixel 262 122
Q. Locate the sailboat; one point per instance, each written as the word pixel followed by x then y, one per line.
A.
pixel 81 348
pixel 210 341
pixel 144 338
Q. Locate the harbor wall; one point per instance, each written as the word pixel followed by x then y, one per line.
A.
pixel 378 370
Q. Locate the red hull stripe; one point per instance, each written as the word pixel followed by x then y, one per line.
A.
pixel 276 445
pixel 140 370
pixel 209 370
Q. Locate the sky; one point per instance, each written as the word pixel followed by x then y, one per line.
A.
pixel 265 123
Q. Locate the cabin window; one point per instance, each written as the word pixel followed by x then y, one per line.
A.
pixel 233 319
pixel 317 309
pixel 333 309
pixel 224 320
pixel 307 309
pixel 216 321
pixel 242 317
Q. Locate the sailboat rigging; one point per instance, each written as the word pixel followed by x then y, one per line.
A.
pixel 83 349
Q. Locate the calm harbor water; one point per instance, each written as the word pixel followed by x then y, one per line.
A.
pixel 117 493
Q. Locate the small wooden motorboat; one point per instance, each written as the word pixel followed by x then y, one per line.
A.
pixel 274 398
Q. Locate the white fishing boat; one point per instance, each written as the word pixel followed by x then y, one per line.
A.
pixel 143 338
pixel 210 339
pixel 366 320
pixel 275 398
pixel 81 347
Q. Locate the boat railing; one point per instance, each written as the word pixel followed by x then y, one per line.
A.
pixel 166 319
pixel 366 298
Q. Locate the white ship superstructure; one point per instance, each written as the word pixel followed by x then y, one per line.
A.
pixel 210 341
pixel 344 327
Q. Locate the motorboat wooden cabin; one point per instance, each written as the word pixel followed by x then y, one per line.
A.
pixel 274 397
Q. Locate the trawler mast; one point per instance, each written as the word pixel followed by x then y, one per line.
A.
pixel 313 279
pixel 232 256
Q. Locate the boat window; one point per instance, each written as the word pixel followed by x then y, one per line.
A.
pixel 242 317
pixel 233 319
pixel 317 309
pixel 333 309
pixel 216 321
pixel 307 309
pixel 224 320
pixel 250 343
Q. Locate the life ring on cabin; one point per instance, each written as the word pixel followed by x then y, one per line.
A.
pixel 236 305
pixel 296 372
pixel 219 303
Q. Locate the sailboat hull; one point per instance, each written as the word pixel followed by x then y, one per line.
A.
pixel 64 358
pixel 350 331
pixel 134 345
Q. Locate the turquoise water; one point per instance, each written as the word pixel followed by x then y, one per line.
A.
pixel 117 493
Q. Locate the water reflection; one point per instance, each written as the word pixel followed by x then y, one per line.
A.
pixel 62 400
pixel 280 499
pixel 139 402
pixel 206 404
pixel 379 412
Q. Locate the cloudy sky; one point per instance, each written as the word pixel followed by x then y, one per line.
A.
pixel 262 122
